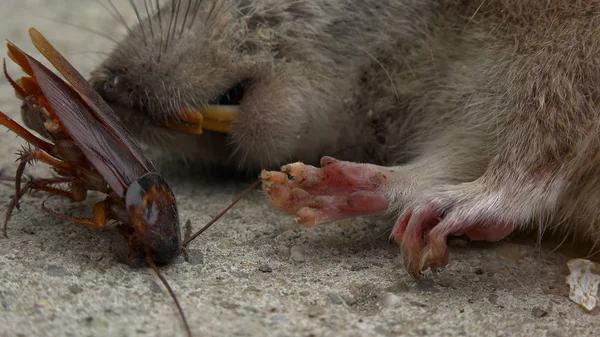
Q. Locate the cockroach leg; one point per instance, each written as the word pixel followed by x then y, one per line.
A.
pixel 26 135
pixel 28 155
pixel 20 88
pixel 98 223
pixel 33 184
pixel 133 242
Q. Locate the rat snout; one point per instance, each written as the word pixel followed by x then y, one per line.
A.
pixel 109 84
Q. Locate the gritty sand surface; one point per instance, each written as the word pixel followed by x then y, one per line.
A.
pixel 255 273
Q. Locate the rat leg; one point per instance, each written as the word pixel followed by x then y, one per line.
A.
pixel 489 208
pixel 486 208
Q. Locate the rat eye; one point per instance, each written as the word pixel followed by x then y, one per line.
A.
pixel 109 85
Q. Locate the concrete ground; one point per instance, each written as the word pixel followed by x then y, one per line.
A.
pixel 254 273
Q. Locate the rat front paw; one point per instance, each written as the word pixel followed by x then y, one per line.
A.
pixel 335 191
pixel 425 224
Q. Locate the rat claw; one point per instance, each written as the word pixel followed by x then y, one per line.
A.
pixel 297 170
pixel 307 217
pixel 436 254
pixel 267 187
pixel 265 175
pixel 278 177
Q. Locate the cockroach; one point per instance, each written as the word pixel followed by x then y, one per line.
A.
pixel 91 150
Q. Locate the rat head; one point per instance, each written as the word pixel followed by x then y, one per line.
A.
pixel 188 56
pixel 244 65
pixel 153 212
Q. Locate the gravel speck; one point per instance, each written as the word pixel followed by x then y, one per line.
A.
pixel 390 300
pixel 335 298
pixel 75 289
pixel 265 268
pixel 155 287
pixel 297 254
pixel 493 298
pixel 538 312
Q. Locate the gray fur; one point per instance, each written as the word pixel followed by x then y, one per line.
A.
pixel 488 107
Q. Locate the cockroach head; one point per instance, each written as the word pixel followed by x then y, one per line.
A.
pixel 153 212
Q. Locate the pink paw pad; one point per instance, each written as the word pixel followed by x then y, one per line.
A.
pixel 337 190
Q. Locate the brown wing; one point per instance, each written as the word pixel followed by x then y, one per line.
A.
pixel 107 149
pixel 99 108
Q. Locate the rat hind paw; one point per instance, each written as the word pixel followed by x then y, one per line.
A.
pixel 425 224
pixel 335 191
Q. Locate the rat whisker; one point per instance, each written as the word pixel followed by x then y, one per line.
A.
pixel 141 24
pixel 176 18
pixel 212 10
pixel 89 30
pixel 170 25
pixel 160 27
pixel 92 31
pixel 187 12
pixel 149 17
pixel 88 52
pixel 196 11
pixel 119 16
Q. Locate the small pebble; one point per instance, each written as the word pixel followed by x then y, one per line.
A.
pixel 390 300
pixel 538 312
pixel 265 268
pixel 195 257
pixel 304 293
pixel 75 289
pixel 297 254
pixel 316 311
pixel 155 287
pixel 335 298
pixel 493 298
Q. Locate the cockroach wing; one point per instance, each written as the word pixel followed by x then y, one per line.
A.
pixel 99 108
pixel 112 158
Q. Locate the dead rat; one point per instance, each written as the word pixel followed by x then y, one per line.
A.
pixel 455 117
